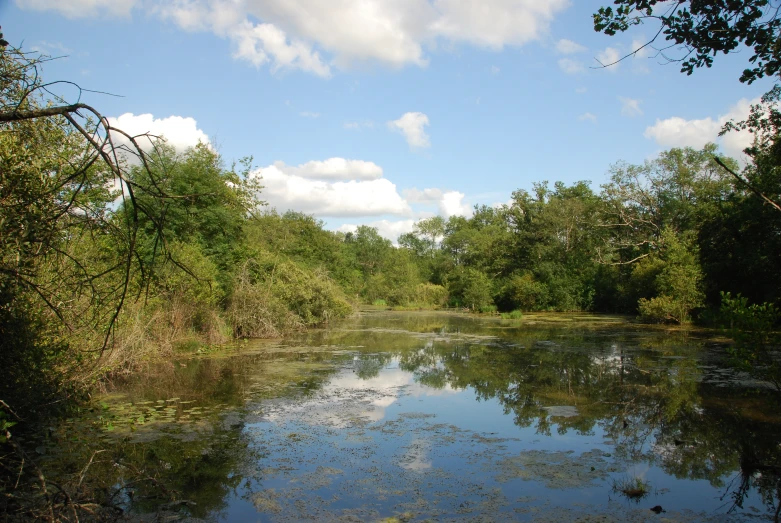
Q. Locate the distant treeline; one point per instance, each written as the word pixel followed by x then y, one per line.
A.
pixel 663 239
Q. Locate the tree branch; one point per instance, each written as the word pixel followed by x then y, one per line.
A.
pixel 748 184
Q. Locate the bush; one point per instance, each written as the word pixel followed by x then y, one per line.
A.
pixel 662 309
pixel 271 296
pixel 523 292
pixel 471 288
pixel 514 315
pixel 430 294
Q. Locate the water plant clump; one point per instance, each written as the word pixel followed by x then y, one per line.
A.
pixel 635 488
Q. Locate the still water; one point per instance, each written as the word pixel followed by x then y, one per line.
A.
pixel 439 416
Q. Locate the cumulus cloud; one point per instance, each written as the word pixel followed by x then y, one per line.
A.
pixel 680 132
pixel 610 55
pixel 333 169
pixel 570 66
pixel 287 191
pixel 639 48
pixel 180 132
pixel 452 204
pixel 411 126
pixel 292 34
pixel 386 228
pixel 259 44
pixel 494 23
pixel 416 195
pixel 565 46
pixel 448 203
pixel 630 107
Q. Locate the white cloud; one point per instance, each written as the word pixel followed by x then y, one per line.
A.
pixel 588 116
pixel 411 126
pixel 81 8
pixel 291 34
pixel 610 55
pixel 333 169
pixel 415 195
pixel 640 56
pixel 571 66
pixel 494 23
pixel 385 228
pixel 262 43
pixel 335 199
pixel 638 48
pixel 452 204
pixel 308 114
pixel 630 107
pixel 565 46
pixel 180 132
pixel 679 132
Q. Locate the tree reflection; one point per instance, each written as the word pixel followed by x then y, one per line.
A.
pixel 646 394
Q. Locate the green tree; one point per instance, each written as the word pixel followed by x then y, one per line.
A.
pixel 702 30
pixel 199 201
pixel 678 282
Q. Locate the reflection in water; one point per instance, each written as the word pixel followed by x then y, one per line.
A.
pixel 434 415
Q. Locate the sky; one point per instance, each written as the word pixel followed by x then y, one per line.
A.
pixel 385 112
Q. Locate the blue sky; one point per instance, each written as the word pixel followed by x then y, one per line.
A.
pixel 383 112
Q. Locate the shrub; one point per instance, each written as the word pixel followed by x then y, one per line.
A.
pixel 430 294
pixel 525 293
pixel 271 296
pixel 471 288
pixel 751 327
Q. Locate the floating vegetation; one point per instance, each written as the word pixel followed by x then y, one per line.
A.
pixel 634 488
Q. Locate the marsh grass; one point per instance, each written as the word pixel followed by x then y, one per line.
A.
pixel 632 488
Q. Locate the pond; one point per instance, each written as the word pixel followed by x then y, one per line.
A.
pixel 436 416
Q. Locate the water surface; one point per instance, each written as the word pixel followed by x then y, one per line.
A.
pixel 440 416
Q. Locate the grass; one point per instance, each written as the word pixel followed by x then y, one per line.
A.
pixel 514 315
pixel 633 488
pixel 379 303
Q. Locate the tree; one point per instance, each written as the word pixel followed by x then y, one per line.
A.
pixel 678 282
pixel 702 29
pixel 58 163
pixel 679 189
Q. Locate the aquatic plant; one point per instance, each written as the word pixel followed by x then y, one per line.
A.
pixel 634 488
